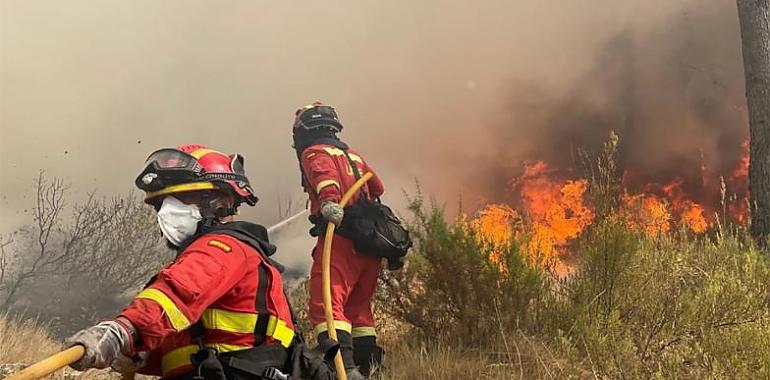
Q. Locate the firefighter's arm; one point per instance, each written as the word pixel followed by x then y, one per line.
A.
pixel 204 272
pixel 375 185
pixel 321 171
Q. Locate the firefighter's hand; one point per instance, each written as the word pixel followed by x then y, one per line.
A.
pixel 124 364
pixel 102 342
pixel 332 212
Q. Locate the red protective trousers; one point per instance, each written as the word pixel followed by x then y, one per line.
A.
pixel 353 282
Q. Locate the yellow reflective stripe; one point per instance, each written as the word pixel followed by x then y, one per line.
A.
pixel 338 325
pixel 181 356
pixel 363 331
pixel 325 183
pixel 334 151
pixel 177 358
pixel 277 329
pixel 355 157
pixel 224 347
pixel 229 321
pixel 193 186
pixel 198 153
pixel 339 152
pixel 178 320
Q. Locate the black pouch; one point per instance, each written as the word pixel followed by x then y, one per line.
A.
pixel 375 230
pixel 315 363
pixel 254 363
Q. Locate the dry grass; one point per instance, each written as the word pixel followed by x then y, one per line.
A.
pixel 523 358
pixel 24 341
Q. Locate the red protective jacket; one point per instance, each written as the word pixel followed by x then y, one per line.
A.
pixel 228 286
pixel 328 175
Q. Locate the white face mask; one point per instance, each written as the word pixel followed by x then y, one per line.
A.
pixel 177 220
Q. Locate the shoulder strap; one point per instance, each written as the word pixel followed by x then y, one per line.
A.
pixel 356 173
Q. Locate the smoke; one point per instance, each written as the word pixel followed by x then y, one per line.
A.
pixel 674 93
pixel 454 94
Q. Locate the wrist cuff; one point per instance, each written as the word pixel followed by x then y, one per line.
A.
pixel 131 333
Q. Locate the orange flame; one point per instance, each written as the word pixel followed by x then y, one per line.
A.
pixel 559 213
pixel 648 213
pixel 557 210
pixel 741 173
pixel 691 214
pixel 494 226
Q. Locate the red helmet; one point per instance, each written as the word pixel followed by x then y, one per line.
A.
pixel 316 115
pixel 192 168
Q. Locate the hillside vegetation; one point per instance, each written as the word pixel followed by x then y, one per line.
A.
pixel 635 305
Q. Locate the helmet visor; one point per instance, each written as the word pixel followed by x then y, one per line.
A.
pixel 170 159
pixel 167 167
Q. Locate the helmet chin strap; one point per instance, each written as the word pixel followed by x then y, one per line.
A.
pixel 206 223
pixel 223 212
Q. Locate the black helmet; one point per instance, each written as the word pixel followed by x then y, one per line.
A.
pixel 316 115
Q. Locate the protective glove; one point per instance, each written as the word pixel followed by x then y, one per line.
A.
pixel 124 364
pixel 332 212
pixel 102 342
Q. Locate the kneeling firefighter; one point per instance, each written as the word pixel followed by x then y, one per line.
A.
pixel 329 168
pixel 219 310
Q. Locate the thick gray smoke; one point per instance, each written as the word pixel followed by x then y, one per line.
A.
pixel 455 94
pixel 674 94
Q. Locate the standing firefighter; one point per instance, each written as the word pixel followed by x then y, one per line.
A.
pixel 329 168
pixel 219 309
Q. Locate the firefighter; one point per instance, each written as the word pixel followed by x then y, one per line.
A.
pixel 325 163
pixel 219 308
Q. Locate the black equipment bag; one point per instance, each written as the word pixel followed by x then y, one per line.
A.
pixel 315 363
pixel 373 227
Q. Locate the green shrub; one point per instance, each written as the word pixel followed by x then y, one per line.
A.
pixel 453 289
pixel 644 307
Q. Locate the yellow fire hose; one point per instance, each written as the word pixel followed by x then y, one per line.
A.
pixel 54 363
pixel 49 365
pixel 326 275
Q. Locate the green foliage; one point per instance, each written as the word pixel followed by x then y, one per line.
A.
pixel 647 307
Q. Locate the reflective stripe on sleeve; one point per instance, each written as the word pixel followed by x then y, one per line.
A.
pixel 325 183
pixel 178 320
pixel 278 330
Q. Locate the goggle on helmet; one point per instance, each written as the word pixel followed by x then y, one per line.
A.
pixel 170 170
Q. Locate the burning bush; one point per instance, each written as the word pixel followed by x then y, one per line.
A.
pixel 461 282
